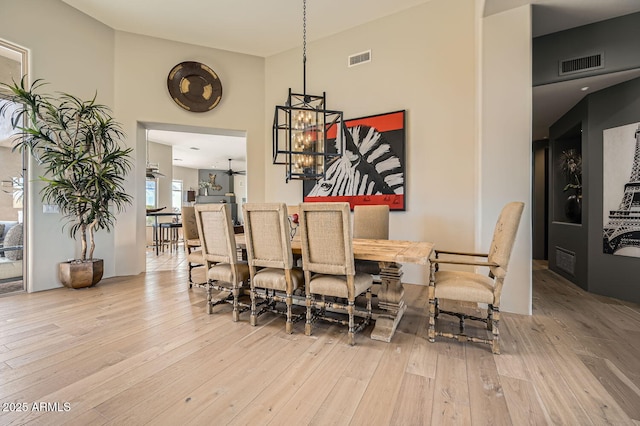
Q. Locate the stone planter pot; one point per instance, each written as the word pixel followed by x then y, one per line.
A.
pixel 79 274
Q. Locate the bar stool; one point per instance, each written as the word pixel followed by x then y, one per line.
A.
pixel 169 235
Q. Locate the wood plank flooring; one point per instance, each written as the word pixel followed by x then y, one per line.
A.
pixel 142 350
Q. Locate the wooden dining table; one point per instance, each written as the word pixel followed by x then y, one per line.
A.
pixel 390 254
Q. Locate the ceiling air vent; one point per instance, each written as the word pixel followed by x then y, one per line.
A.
pixel 359 58
pixel 584 63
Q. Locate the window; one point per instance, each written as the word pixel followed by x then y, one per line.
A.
pixel 176 195
pixel 151 193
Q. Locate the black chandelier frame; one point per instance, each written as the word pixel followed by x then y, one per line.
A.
pixel 301 126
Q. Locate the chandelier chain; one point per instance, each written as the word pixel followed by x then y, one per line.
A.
pixel 304 47
pixel 300 128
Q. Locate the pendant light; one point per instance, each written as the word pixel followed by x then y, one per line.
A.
pixel 304 127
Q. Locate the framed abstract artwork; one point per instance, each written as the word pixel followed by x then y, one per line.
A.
pixel 371 169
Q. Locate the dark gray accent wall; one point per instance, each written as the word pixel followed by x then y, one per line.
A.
pixel 610 275
pixel 226 182
pixel 568 241
pixel 222 179
pixel 540 198
pixel 595 271
pixel 617 38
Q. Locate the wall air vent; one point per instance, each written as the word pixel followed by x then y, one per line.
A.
pixel 566 260
pixel 582 64
pixel 359 58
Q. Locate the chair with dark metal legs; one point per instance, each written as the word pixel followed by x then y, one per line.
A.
pixel 327 259
pixel 225 272
pixel 273 277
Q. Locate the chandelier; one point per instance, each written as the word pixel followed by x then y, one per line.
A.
pixel 303 126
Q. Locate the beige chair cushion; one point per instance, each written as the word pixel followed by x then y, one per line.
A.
pixel 336 285
pixel 193 242
pixel 199 274
pixel 267 236
pixel 189 226
pixel 504 237
pixel 223 272
pixel 326 238
pixel 14 238
pixel 195 257
pixel 464 286
pixel 216 232
pixel 371 222
pixel 274 279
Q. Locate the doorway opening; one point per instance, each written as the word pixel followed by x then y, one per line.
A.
pixel 188 165
pixel 13 181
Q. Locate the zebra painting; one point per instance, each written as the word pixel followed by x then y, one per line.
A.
pixel 369 171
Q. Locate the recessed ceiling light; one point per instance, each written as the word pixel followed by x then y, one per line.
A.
pixel 585 88
pixel 177 159
pixel 195 148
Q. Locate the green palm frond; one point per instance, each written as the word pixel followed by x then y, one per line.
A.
pixel 78 144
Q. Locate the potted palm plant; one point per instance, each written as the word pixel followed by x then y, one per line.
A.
pixel 77 142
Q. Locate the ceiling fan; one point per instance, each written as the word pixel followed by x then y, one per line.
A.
pixel 231 172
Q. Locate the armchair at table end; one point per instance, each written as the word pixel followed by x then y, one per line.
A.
pixel 327 261
pixel 471 287
pixel 225 272
pixel 271 268
pixel 191 242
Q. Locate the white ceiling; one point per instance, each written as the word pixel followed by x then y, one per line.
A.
pixel 551 101
pixel 254 27
pixel 264 28
pixel 203 151
pixel 550 16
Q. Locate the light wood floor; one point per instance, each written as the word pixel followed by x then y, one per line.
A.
pixel 141 350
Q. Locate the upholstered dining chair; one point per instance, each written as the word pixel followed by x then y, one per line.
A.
pixel 224 271
pixel 370 222
pixel 191 241
pixel 475 288
pixel 273 276
pixel 327 261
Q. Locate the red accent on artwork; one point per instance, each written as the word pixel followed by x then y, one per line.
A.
pixel 394 201
pixel 383 123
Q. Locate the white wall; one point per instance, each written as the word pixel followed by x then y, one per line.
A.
pixel 141 68
pixel 75 54
pixel 189 177
pixel 240 189
pixel 79 55
pixel 162 155
pixel 506 147
pixel 463 121
pixel 423 61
